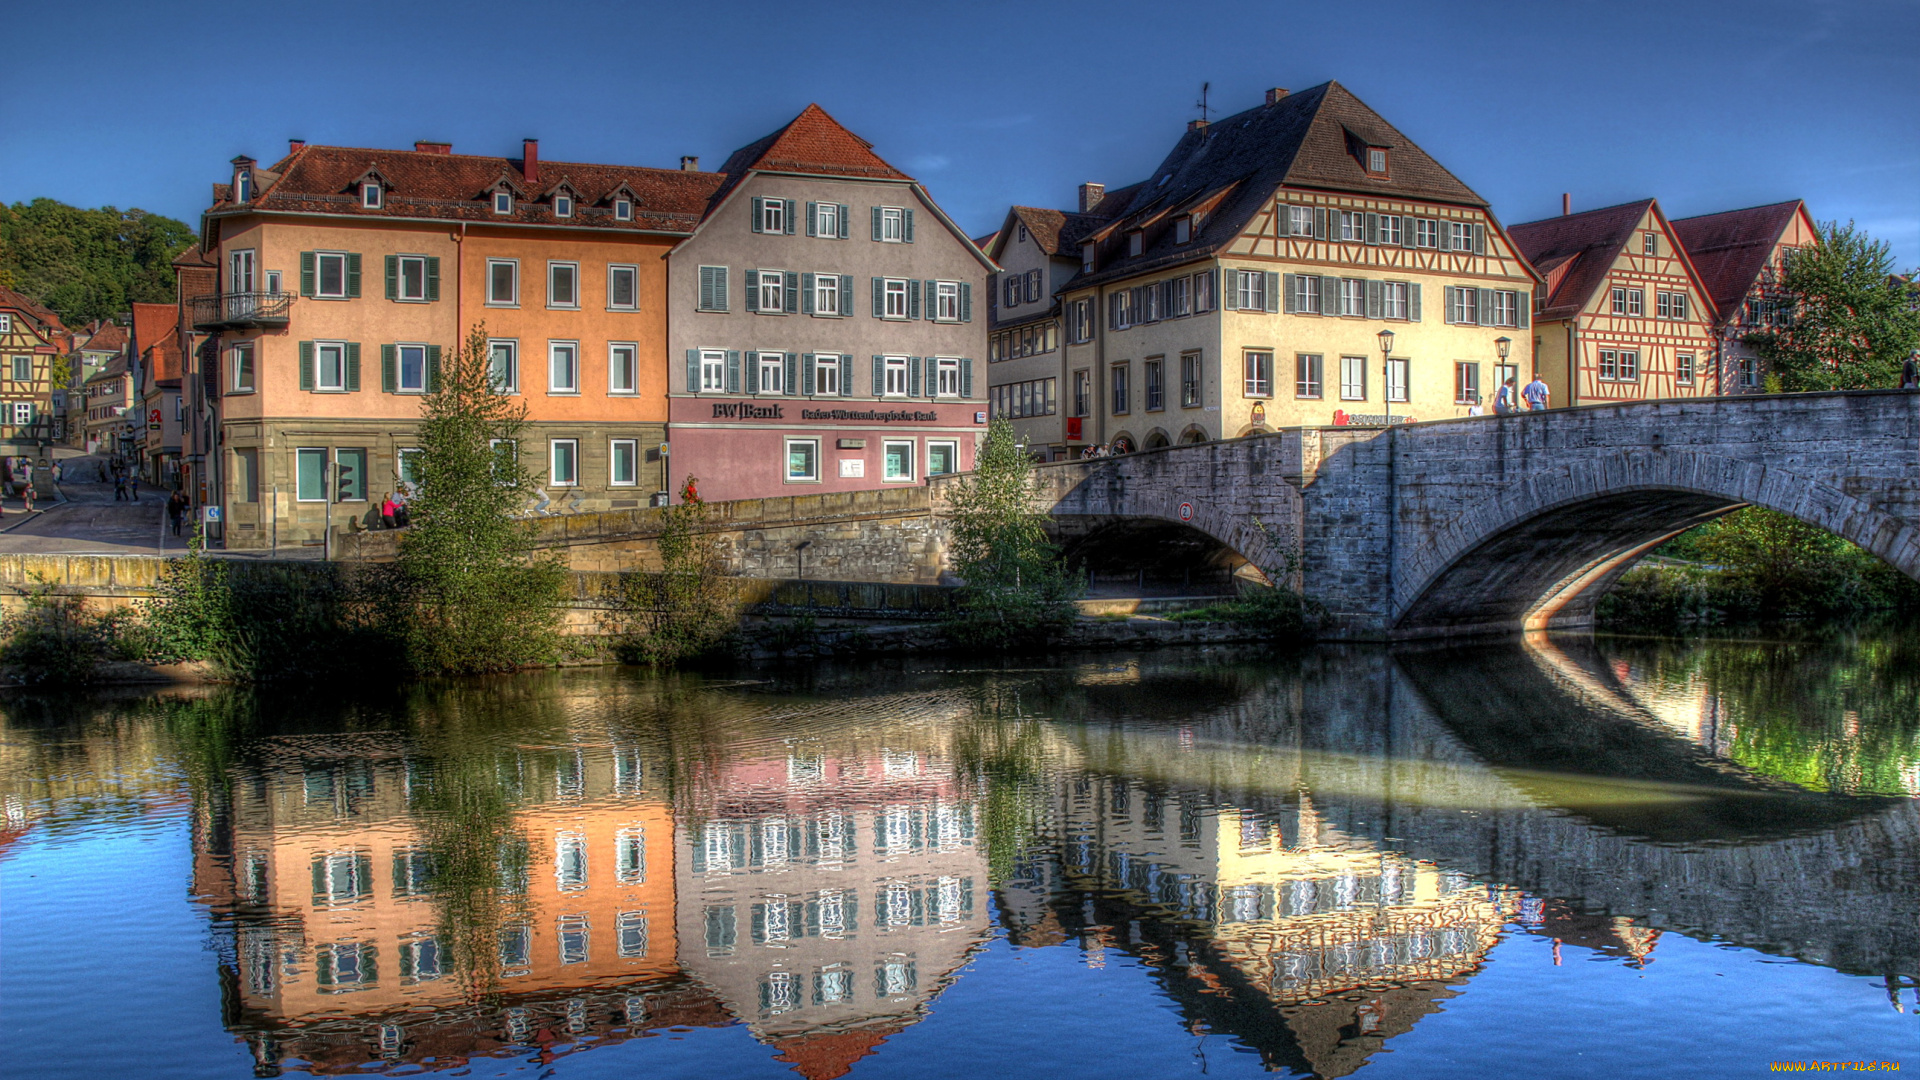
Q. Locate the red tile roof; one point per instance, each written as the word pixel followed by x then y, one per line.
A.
pixel 1575 251
pixel 326 179
pixel 1729 249
pixel 109 337
pixel 829 1055
pixel 40 313
pixel 154 323
pixel 813 143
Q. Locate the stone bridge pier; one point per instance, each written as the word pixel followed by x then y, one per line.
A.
pixel 1504 524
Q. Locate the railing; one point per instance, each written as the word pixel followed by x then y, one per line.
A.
pixel 240 310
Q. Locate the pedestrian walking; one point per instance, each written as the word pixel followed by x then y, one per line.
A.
pixel 1536 393
pixel 1910 373
pixel 1503 399
pixel 176 510
pixel 119 488
pixel 133 485
pixel 26 495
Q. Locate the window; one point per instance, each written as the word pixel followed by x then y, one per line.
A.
pixel 769 296
pixel 773 216
pixel 623 462
pixel 1393 299
pixel 1460 235
pixel 1306 294
pixel 503 282
pixel 897 461
pixel 410 369
pixel 630 856
pixel 713 369
pixel 370 196
pixel 1120 310
pixel 1683 369
pixel 246 475
pixel 407 464
pixel 826 375
pixel 1389 229
pixel 242 364
pixel 1190 380
pixel 1135 243
pixel 563 206
pixel 771 368
pixel 713 288
pixel 22 413
pixel 1353 378
pixel 310 479
pixel 895 300
pixel 503 202
pixel 1010 292
pixel 1353 297
pixel 826 294
pixel 1082 389
pixel 1250 290
pixel 242 186
pixel 563 468
pixel 1122 393
pixel 623 209
pixel 1749 372
pixel 330 365
pixel 563 367
pixel 563 285
pixel 1397 379
pixel 826 219
pixel 1426 233
pixel 1670 305
pixel 504 360
pixel 631 930
pixel 803 460
pixel 946 306
pixel 1629 365
pixel 894 376
pixel 1466 383
pixel 1619 365
pixel 623 368
pixel 623 288
pixel 6 322
pixel 1376 160
pixel 1353 226
pixel 570 861
pixel 330 274
pixel 1461 307
pixel 1649 245
pixel 1506 307
pixel 1034 397
pixel 1307 375
pixel 1183 230
pixel 943 458
pixel 1203 298
pixel 1628 301
pixel 345 966
pixel 1259 372
pixel 946 377
pixel 1179 297
pixel 1154 379
pixel 893 224
pixel 1079 321
pixel 1300 220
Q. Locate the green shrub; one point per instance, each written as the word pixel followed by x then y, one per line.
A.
pixel 1017 591
pixel 688 608
pixel 56 641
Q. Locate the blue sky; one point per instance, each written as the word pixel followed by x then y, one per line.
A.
pixel 1707 106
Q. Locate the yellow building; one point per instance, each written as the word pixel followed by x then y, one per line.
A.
pixel 30 344
pixel 1246 284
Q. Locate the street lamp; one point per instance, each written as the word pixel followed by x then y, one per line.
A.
pixel 1386 372
pixel 1501 347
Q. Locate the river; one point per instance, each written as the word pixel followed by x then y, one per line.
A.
pixel 1618 857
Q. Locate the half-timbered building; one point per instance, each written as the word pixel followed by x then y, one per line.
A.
pixel 1739 254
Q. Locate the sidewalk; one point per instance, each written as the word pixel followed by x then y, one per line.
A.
pixel 90 522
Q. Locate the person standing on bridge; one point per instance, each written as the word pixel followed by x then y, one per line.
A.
pixel 1504 398
pixel 1910 373
pixel 1536 393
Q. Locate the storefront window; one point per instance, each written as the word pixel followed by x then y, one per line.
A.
pixel 803 459
pixel 899 461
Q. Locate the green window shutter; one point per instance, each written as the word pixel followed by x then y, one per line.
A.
pixel 693 371
pixel 932 293
pixel 1286 293
pixel 1444 237
pixel 1479 239
pixel 846 374
pixel 353 274
pixel 433 277
pixel 913 299
pixel 1273 292
pixel 1413 302
pixel 806 291
pixel 706 289
pixel 1376 299
pixel 1282 213
pixel 789 215
pixel 433 368
pixel 876 223
pixel 353 367
pixel 790 286
pixel 879 297
pixel 393 277
pixel 1319 223
pixel 1329 296
pixel 721 296
pixel 791 370
pixel 1523 304
pixel 1446 304
pixel 846 214
pixel 753 290
pixel 306 273
pixel 813 215
pixel 1483 307
pixel 879 375
pixel 846 286
pixel 966 301
pixel 733 371
pixel 913 376
pixel 753 372
pixel 1227 294
pixel 966 377
pixel 807 374
pixel 389 354
pixel 306 365
pixel 754 222
pixel 1406 231
pixel 907 228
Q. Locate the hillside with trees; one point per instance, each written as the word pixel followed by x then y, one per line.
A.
pixel 89 264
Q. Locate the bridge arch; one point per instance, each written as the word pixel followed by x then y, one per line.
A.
pixel 1539 553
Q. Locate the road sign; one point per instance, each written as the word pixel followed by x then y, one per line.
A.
pixel 1186 511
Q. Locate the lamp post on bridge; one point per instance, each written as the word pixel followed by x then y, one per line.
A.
pixel 1386 373
pixel 1502 346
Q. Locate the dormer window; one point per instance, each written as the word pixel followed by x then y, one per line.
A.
pixel 503 202
pixel 1376 161
pixel 242 185
pixel 371 196
pixel 563 206
pixel 1086 259
pixel 1135 243
pixel 623 209
pixel 1183 230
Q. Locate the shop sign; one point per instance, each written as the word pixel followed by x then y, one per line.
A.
pixel 1342 418
pixel 750 410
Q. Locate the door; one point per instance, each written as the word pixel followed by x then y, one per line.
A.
pixel 240 283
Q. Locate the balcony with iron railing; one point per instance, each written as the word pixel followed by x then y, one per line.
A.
pixel 241 310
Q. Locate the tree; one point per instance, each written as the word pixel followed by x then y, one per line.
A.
pixel 472 592
pixel 687 608
pixel 1016 589
pixel 1852 323
pixel 89 264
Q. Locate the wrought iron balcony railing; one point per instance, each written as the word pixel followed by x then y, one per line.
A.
pixel 241 310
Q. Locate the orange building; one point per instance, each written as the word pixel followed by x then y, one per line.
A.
pixel 346 275
pixel 1623 315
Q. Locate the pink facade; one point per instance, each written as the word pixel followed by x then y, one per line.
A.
pixel 751 447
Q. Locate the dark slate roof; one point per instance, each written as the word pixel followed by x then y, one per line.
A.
pixel 1305 140
pixel 1730 248
pixel 1574 252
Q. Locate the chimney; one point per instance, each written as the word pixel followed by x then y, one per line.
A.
pixel 1566 203
pixel 689 164
pixel 432 147
pixel 1196 125
pixel 294 145
pixel 1274 95
pixel 530 160
pixel 1090 196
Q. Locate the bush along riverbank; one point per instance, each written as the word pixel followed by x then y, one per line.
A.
pixel 1754 566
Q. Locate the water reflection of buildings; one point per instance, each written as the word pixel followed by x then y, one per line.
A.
pixel 827 899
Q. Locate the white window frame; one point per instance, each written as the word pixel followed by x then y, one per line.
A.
pixel 713 371
pixel 1683 368
pixel 1182 230
pixel 339 349
pixel 776 363
pixel 632 448
pixel 1300 221
pixel 568 386
pixel 946 373
pixel 827 287
pixel 953 447
pixel 1306 294
pixel 826 368
pixel 400 366
pixel 614 270
pixel 371 196
pixel 400 469
pixel 912 475
pixel 1257 381
pixel 1393 299
pixel 319 275
pixel 1636 303
pixel 1389 234
pixel 1460 235
pixel 890 288
pixel 826 220
pixel 1353 226
pixel 947 301
pixel 623 209
pixel 1506 307
pixel 786 461
pixel 1426 233
pixel 1250 290
pixel 553 462
pixel 563 206
pixel 513 269
pixel 1463 306
pixel 1399 379
pixel 6 322
pixel 1353 297
pixel 553 267
pixel 1353 378
pixel 890 367
pixel 1629 359
pixel 614 349
pixel 776 280
pixel 246 367
pixel 773 216
pixel 503 202
pixel 511 348
pixel 893 225
pixel 1376 160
